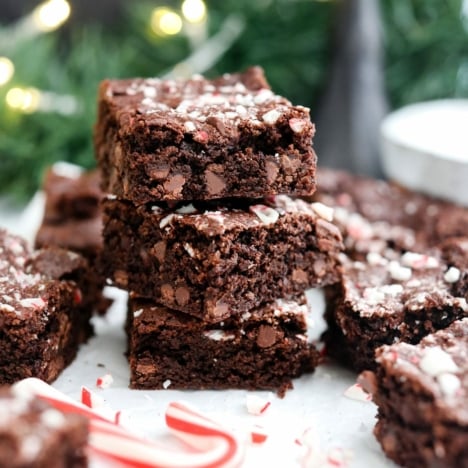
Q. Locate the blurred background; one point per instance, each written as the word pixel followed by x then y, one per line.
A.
pixel 350 61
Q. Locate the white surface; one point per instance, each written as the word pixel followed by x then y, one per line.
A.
pixel 425 147
pixel 316 401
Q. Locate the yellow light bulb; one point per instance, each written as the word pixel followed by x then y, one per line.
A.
pixel 51 14
pixel 6 70
pixel 194 11
pixel 165 22
pixel 25 100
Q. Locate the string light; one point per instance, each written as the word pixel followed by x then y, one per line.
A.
pixel 194 11
pixel 23 99
pixel 7 69
pixel 51 14
pixel 165 22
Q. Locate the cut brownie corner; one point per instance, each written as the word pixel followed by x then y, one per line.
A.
pixel 33 434
pixel 45 308
pixel 421 392
pixel 263 349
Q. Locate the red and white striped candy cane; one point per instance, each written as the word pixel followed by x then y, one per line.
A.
pixel 211 446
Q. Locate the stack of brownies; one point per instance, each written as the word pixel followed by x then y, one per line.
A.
pixel 203 226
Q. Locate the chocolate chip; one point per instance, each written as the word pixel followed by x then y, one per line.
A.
pixel 167 292
pixel 300 275
pixel 159 250
pixel 266 336
pixel 182 295
pixel 158 172
pixel 175 184
pixel 272 170
pixel 214 183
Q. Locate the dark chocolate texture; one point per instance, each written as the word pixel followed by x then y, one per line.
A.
pixel 202 139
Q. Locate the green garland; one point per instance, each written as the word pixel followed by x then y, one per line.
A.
pixel 426 53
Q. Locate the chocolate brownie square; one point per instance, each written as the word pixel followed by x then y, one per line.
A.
pixel 261 349
pixel 401 297
pixel 45 308
pixel 35 435
pixel 73 219
pixel 201 139
pixel 422 396
pixel 216 259
pixel 374 214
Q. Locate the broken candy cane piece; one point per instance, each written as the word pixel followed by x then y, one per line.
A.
pixel 105 381
pixel 257 405
pixel 214 445
pixel 356 392
pixel 258 434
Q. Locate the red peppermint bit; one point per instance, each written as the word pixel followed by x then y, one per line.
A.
pixel 393 355
pixel 105 381
pixel 265 407
pixel 297 441
pixel 78 297
pixel 201 137
pixel 118 414
pixel 86 397
pixel 259 436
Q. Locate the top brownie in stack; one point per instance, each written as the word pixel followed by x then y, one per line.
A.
pixel 202 139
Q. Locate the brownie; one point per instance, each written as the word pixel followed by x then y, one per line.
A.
pixel 422 396
pixel 401 297
pixel 33 434
pixel 73 219
pixel 261 349
pixel 201 139
pixel 216 259
pixel 45 308
pixel 374 214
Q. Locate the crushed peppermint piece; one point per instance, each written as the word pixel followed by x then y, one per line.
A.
pixel 377 294
pixel 166 384
pixel 186 209
pixel 436 361
pixel 271 117
pixel 266 214
pixel 449 384
pixel 452 275
pixel 36 303
pixel 418 261
pixel 324 211
pixel 189 249
pixel 91 399
pixel 398 272
pixel 166 220
pixel 257 405
pixel 201 137
pixel 105 381
pixel 259 434
pixel 218 335
pixel 356 392
pixel 137 313
pixel 297 125
pixel 189 126
pixel 7 307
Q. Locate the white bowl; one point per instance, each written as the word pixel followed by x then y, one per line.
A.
pixel 425 147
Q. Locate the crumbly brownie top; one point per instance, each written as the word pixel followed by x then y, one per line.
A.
pixel 411 281
pixel 226 103
pixel 438 364
pixel 215 218
pixel 26 275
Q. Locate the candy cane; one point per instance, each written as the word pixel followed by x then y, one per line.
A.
pixel 211 445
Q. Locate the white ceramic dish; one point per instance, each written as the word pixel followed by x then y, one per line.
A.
pixel 425 147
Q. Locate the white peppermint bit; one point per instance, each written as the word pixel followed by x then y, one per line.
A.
pixel 416 260
pixel 452 275
pixel 189 126
pixel 166 384
pixel 218 335
pixel 297 125
pixel 137 313
pixel 436 361
pixel 356 392
pixel 166 220
pixel 271 117
pixel 324 211
pixel 449 384
pixel 33 302
pixel 105 381
pixel 186 209
pixel 398 272
pixel 266 214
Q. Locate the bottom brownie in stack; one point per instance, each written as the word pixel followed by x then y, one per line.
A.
pixel 261 349
pixel 422 395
